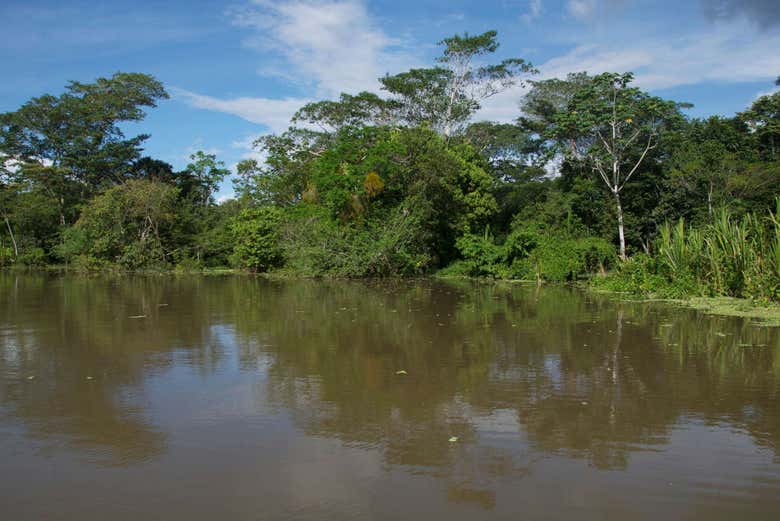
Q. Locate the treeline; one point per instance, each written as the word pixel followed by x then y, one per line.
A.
pixel 592 172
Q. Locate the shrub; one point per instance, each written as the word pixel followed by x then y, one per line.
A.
pixel 32 257
pixel 6 256
pixel 482 257
pixel 256 236
pixel 532 252
pixel 125 225
pixel 394 242
pixel 729 257
pixel 561 258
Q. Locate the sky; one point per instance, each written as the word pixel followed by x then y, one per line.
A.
pixel 237 70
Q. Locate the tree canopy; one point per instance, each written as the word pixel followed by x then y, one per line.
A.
pixel 590 173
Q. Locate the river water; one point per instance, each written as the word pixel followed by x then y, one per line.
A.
pixel 233 397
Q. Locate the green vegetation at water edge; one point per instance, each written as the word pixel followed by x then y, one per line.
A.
pixel 593 176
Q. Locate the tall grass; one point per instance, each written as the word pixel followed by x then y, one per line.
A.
pixel 729 256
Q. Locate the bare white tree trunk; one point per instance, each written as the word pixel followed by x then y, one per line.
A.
pixel 11 233
pixel 621 232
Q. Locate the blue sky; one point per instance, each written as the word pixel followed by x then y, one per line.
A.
pixel 236 70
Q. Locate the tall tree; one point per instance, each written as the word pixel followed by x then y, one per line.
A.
pixel 205 173
pixel 6 195
pixel 612 127
pixel 476 82
pixel 75 138
pixel 763 119
pixel 364 108
pixel 445 97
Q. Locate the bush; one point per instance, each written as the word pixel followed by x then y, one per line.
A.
pixel 561 258
pixel 6 256
pixel 88 263
pixel 531 252
pixel 639 275
pixel 482 257
pixel 256 236
pixel 727 257
pixel 32 257
pixel 124 225
pixel 189 265
pixel 392 242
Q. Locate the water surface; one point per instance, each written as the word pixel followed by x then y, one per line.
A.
pixel 201 398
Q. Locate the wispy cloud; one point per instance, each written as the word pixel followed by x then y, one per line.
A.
pixel 596 10
pixel 272 113
pixel 727 53
pixel 330 46
pixel 325 47
pixel 247 145
pixel 334 44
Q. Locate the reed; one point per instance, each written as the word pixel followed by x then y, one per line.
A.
pixel 730 256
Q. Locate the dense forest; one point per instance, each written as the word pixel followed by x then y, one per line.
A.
pixel 594 176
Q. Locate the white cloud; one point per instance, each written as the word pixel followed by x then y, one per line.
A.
pixel 727 53
pixel 272 113
pixel 334 45
pixel 331 46
pixel 766 93
pixel 325 46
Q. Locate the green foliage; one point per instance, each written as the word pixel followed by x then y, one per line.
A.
pixel 560 258
pixel 6 256
pixel 727 257
pixel 393 242
pixel 482 257
pixel 364 108
pixel 203 176
pixel 125 224
pixel 763 118
pixel 604 124
pixel 640 275
pixel 405 184
pixel 256 236
pixel 444 98
pixel 532 252
pixel 78 134
pixel 32 257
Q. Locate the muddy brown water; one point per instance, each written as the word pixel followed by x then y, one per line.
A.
pixel 202 398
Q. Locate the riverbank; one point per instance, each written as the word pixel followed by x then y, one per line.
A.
pixel 766 313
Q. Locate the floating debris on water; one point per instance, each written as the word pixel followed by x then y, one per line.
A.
pixel 401 372
pixel 138 316
pixel 453 439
